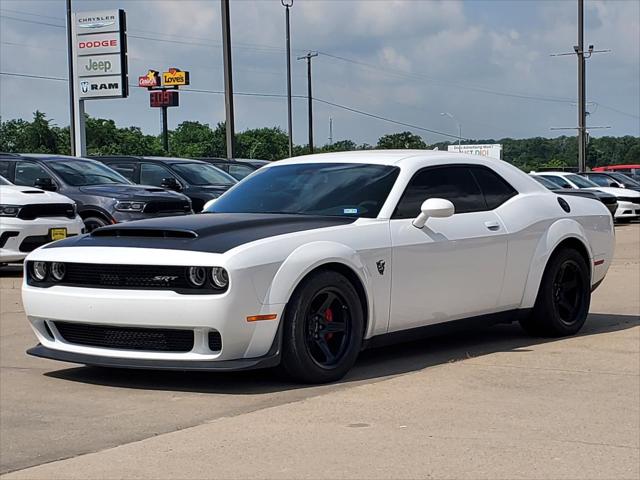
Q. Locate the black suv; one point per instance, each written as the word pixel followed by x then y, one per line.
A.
pixel 102 195
pixel 198 180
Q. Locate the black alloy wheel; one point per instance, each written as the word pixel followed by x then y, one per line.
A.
pixel 328 327
pixel 568 291
pixel 323 328
pixel 564 297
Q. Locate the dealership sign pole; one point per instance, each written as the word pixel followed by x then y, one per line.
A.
pixel 100 53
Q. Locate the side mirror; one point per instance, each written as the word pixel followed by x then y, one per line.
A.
pixel 171 184
pixel 433 207
pixel 45 184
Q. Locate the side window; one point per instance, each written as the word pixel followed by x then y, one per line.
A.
pixel 455 184
pixel 127 170
pixel 152 174
pixel 28 172
pixel 496 189
pixel 5 166
pixel 239 171
pixel 559 181
pixel 600 180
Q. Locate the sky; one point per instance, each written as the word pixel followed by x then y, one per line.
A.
pixel 488 63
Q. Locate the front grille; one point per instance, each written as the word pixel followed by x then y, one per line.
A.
pixel 41 210
pixel 630 199
pixel 126 276
pixel 29 244
pixel 170 206
pixel 126 338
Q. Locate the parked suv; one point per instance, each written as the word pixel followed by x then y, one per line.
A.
pixel 198 180
pixel 102 195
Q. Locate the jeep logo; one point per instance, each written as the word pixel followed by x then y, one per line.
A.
pixel 98 66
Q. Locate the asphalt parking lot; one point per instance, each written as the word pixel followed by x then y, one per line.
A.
pixel 489 404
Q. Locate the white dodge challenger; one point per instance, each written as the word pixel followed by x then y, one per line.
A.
pixel 309 260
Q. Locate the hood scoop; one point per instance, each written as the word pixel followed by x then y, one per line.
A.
pixel 32 191
pixel 155 190
pixel 142 233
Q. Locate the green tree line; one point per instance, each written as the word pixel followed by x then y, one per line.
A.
pixel 195 139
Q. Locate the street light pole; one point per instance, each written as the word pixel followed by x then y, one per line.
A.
pixel 288 4
pixel 308 58
pixel 582 108
pixel 447 114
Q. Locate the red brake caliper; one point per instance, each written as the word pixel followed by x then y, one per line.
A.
pixel 328 316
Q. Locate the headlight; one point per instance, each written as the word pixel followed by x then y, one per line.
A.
pixel 9 210
pixel 220 277
pixel 58 270
pixel 197 276
pixel 130 206
pixel 40 271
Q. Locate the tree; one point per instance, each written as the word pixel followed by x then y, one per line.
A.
pixel 262 143
pixel 404 140
pixel 194 139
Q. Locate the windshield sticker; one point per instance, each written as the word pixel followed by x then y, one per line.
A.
pixel 350 210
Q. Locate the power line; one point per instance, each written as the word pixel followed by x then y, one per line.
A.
pixel 267 95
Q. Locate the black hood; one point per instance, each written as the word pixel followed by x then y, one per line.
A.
pixel 130 192
pixel 206 232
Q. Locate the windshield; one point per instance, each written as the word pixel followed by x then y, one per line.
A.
pixel 602 180
pixel 203 174
pixel 4 181
pixel 581 182
pixel 85 172
pixel 623 179
pixel 335 189
pixel 545 182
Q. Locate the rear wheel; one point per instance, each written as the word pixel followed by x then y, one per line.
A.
pixel 323 329
pixel 563 300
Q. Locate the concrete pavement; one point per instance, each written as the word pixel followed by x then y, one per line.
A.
pixel 490 404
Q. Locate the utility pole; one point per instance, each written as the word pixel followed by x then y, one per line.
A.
pixel 308 58
pixel 288 4
pixel 72 98
pixel 330 131
pixel 447 114
pixel 228 79
pixel 579 51
pixel 582 108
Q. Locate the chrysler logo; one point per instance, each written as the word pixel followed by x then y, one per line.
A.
pixel 96 24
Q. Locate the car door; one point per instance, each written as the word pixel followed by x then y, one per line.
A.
pixel 453 267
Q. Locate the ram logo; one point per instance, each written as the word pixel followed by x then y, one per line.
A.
pixel 84 86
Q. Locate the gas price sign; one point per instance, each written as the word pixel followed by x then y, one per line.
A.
pixel 164 98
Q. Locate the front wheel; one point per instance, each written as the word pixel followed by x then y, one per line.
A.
pixel 323 329
pixel 91 223
pixel 563 300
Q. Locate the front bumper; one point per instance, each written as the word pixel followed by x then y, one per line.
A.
pixel 271 359
pixel 225 314
pixel 627 210
pixel 18 237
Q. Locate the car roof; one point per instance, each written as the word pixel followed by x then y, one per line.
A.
pixel 137 158
pixel 49 157
pixel 386 157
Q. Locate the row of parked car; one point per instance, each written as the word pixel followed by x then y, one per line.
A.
pixel 49 197
pixel 620 193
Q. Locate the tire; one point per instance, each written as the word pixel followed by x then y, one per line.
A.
pixel 564 297
pixel 323 329
pixel 91 223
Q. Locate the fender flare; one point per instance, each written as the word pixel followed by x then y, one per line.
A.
pixel 91 209
pixel 558 232
pixel 311 256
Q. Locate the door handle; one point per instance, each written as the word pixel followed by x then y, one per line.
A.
pixel 493 226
